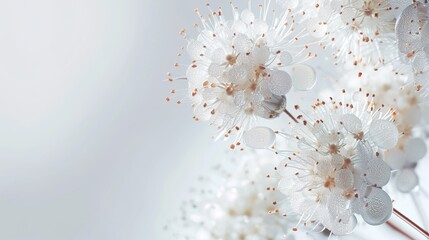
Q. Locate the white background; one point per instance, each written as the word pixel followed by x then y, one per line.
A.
pixel 89 149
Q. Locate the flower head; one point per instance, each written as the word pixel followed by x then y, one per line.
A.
pixel 397 91
pixel 243 67
pixel 412 31
pixel 337 169
pixel 359 31
pixel 237 206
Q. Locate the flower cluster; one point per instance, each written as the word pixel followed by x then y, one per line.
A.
pixel 236 208
pixel 397 91
pixel 360 32
pixel 339 153
pixel 243 68
pixel 412 31
pixel 338 170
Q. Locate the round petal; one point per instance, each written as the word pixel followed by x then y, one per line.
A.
pixel 288 4
pixel 395 158
pixel 195 49
pixel 351 123
pixel 384 133
pixel 303 77
pixel 378 172
pixel 340 227
pixel 242 43
pixel 378 207
pixel 279 82
pixel 407 180
pixel 247 16
pixel 216 70
pixel 344 179
pixel 259 137
pixel 415 149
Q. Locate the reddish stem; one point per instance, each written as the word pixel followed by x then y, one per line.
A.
pixel 411 223
pixel 396 228
pixel 290 115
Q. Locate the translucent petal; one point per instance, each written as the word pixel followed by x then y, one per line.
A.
pixel 242 43
pixel 218 56
pixel 415 149
pixel 238 74
pixel 239 99
pixel 256 98
pixel 239 27
pixel 279 82
pixel 408 27
pixel 413 116
pixel 209 94
pixel 357 204
pixel 364 153
pixel 288 4
pixel 259 137
pixel 384 133
pixel 351 123
pixel 395 158
pixel 341 227
pixel 378 207
pixel 420 62
pixel 216 70
pixel 324 168
pixel 344 179
pixel 285 185
pixel 303 77
pixel 260 27
pixel 247 16
pixel 196 75
pixel 195 49
pixel 261 55
pixel 425 34
pixel 407 180
pixel 337 161
pixel 286 58
pixel 378 172
pixel 336 203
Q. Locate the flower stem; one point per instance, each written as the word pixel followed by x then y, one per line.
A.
pixel 290 115
pixel 411 223
pixel 396 228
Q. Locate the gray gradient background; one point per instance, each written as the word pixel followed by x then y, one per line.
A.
pixel 88 147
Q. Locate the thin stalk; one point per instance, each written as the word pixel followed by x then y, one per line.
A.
pixel 396 228
pixel 420 210
pixel 411 223
pixel 290 115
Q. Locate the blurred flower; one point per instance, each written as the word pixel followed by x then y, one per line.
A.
pixel 412 31
pixel 399 92
pixel 235 204
pixel 359 32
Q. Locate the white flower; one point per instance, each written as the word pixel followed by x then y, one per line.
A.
pixel 396 91
pixel 238 208
pixel 243 67
pixel 338 170
pixel 405 160
pixel 412 31
pixel 359 31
